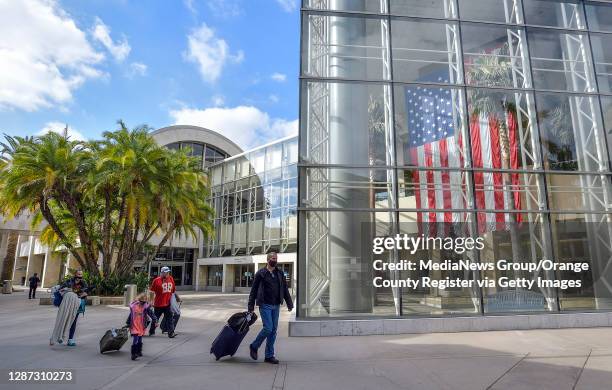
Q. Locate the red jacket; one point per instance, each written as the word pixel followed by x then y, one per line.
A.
pixel 163 290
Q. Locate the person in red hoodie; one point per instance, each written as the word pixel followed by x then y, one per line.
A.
pixel 163 286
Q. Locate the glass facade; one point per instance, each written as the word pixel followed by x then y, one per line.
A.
pixel 493 116
pixel 255 200
pixel 206 153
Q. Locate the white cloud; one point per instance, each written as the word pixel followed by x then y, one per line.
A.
pixel 280 77
pixel 246 125
pixel 190 6
pixel 59 127
pixel 209 53
pixel 288 5
pixel 224 8
pixel 44 56
pixel 137 69
pixel 119 50
pixel 274 98
pixel 218 100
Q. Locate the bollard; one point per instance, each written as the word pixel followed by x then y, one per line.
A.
pixel 130 294
pixel 7 287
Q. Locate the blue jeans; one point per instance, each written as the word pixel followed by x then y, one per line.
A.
pixel 269 317
pixel 73 328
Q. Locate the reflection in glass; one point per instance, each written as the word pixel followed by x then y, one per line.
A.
pixel 517 243
pixel 599 16
pixel 561 60
pixel 349 188
pixel 430 8
pixel 342 112
pixel 430 300
pixel 338 265
pixel 494 56
pixel 585 238
pixel 578 192
pixel 425 51
pixel 430 124
pixel 558 13
pixel 571 132
pixel 379 6
pixel 602 51
pixel 502 11
pixel 353 47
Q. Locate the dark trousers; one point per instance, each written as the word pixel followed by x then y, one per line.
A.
pixel 169 327
pixel 136 339
pixel 32 293
pixel 73 328
pixel 175 319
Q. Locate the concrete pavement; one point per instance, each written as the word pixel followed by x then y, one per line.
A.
pixel 534 359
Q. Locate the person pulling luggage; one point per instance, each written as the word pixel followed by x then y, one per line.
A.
pixel 163 286
pixel 136 321
pixel 269 290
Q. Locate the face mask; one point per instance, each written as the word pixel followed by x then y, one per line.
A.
pixel 272 262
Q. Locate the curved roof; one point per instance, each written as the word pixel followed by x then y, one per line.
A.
pixel 186 133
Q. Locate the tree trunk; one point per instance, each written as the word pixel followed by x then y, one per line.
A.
pixel 9 259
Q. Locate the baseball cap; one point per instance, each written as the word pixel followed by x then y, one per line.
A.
pixel 165 269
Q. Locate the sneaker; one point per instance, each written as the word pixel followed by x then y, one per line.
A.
pixel 60 341
pixel 152 332
pixel 171 335
pixel 71 343
pixel 252 352
pixel 271 360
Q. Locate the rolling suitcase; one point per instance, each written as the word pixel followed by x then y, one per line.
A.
pixel 114 339
pixel 232 334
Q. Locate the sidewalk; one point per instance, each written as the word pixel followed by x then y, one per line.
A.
pixel 535 359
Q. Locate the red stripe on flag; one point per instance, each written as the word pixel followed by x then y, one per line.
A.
pixel 431 190
pixel 478 176
pixel 446 188
pixel 416 185
pixel 498 185
pixel 514 163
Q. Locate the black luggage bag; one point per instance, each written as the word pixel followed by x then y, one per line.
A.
pixel 232 334
pixel 114 339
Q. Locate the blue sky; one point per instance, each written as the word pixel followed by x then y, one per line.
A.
pixel 229 65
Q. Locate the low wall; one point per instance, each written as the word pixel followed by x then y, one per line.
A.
pixel 364 327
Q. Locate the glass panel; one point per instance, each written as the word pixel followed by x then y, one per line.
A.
pixel 434 189
pixel 559 13
pixel 215 275
pixel 349 188
pixel 338 112
pixel 606 105
pixel 216 175
pixel 599 16
pixel 429 8
pixel 571 131
pixel 430 123
pixel 431 296
pixel 584 238
pixel 578 192
pixel 561 61
pixel 425 51
pixel 494 56
pixel 502 130
pixel 290 152
pixel 352 47
pixel 338 272
pixel 514 248
pixel 602 51
pixel 379 6
pixel 174 146
pixel 504 11
pixel 229 171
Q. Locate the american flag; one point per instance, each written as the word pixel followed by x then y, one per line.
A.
pixel 435 142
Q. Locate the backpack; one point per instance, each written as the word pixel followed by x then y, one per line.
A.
pixel 56 295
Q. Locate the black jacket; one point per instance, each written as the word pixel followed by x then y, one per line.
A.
pixel 257 292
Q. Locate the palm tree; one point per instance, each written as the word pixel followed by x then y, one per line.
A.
pixel 108 198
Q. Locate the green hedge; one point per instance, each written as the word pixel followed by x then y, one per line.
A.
pixel 113 285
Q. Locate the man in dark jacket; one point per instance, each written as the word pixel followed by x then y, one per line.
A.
pixel 269 290
pixel 34 280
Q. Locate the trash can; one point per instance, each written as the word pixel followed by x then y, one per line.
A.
pixel 130 294
pixel 7 287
